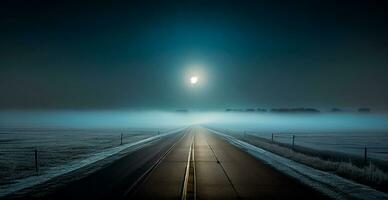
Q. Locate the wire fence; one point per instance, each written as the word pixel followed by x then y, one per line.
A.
pixel 26 154
pixel 364 145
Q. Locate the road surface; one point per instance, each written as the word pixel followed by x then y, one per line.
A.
pixel 221 171
pixel 194 164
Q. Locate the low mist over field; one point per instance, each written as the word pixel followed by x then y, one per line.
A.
pixel 161 119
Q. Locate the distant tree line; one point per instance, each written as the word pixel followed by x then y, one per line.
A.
pixel 291 110
pixel 309 110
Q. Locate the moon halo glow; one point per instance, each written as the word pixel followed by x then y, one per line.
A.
pixel 194 80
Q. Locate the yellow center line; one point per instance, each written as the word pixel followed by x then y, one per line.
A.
pixel 189 183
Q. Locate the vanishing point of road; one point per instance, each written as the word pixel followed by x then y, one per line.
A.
pixel 195 164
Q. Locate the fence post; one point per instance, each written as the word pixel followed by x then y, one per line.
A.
pixel 158 131
pixel 121 139
pixel 36 161
pixel 293 141
pixel 365 155
pixel 245 133
pixel 272 137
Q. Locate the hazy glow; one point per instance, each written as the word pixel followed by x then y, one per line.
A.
pixel 267 122
pixel 194 80
pixel 195 75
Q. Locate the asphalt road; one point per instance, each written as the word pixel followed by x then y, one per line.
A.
pixel 196 164
pixel 222 171
pixel 166 181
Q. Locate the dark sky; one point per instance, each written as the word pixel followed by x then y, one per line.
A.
pixel 122 54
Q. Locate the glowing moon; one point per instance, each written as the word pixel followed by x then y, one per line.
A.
pixel 194 80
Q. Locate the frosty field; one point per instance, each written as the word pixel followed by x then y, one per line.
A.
pixel 55 147
pixel 347 133
pixel 350 143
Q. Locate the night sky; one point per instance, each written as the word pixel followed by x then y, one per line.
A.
pixel 137 55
